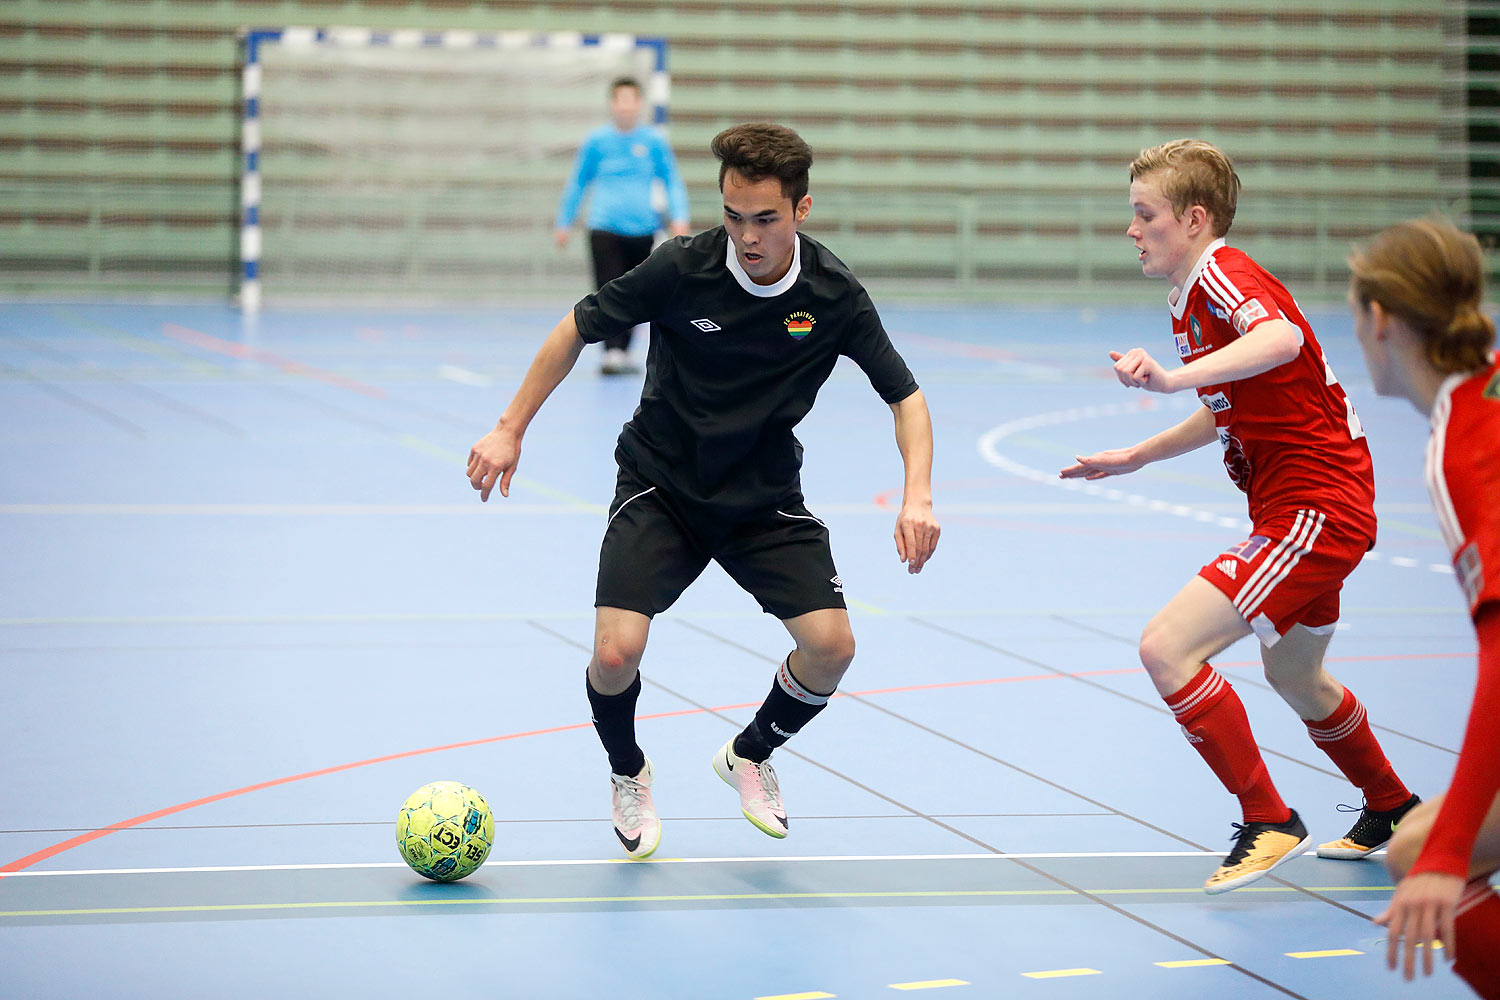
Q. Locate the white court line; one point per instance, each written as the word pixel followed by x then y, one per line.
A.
pixel 989 450
pixel 1203 512
pixel 463 376
pixel 1034 856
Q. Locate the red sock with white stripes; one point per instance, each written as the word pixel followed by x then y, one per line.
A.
pixel 1345 736
pixel 1214 721
pixel 1477 930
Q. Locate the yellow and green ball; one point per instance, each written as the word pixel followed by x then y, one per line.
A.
pixel 445 830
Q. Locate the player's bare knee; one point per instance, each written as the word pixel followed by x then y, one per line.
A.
pixel 834 653
pixel 1159 654
pixel 824 660
pixel 614 659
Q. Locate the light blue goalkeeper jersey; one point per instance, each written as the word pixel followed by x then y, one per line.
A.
pixel 620 167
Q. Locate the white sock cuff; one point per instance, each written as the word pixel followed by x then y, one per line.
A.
pixel 794 687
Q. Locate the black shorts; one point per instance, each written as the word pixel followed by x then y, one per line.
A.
pixel 615 254
pixel 655 545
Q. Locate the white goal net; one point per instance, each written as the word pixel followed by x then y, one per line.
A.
pixel 420 166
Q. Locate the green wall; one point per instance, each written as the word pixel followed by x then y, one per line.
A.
pixel 964 148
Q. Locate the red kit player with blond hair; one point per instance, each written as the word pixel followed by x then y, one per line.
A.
pixel 1293 444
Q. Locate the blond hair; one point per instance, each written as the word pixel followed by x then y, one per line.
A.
pixel 1193 172
pixel 1431 275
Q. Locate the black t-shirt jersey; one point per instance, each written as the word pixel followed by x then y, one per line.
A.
pixel 733 366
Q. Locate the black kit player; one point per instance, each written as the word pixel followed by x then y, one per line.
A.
pixel 747 322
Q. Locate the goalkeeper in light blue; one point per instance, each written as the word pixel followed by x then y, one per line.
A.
pixel 621 162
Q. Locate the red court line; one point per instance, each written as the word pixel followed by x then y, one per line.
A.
pixel 219 345
pixel 20 864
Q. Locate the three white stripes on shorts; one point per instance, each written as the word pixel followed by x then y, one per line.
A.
pixel 1297 543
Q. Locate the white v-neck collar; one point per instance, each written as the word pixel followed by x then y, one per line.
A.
pixel 1179 304
pixel 764 291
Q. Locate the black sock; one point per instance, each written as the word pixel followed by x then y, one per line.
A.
pixel 788 708
pixel 614 721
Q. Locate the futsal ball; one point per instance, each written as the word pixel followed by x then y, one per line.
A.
pixel 445 830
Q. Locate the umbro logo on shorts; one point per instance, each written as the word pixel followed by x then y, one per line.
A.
pixel 838 585
pixel 707 325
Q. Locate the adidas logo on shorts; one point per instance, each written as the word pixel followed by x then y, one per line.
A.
pixel 1225 566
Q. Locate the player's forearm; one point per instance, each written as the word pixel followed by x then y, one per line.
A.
pixel 1269 345
pixel 1477 777
pixel 558 354
pixel 1193 433
pixel 914 439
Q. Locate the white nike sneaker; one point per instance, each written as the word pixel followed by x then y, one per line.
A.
pixel 760 795
pixel 636 822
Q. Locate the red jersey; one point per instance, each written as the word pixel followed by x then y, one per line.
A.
pixel 1463 476
pixel 1291 437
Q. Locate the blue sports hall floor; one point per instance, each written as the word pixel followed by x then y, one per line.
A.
pixel 249 603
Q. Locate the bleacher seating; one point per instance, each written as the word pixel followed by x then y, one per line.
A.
pixel 963 147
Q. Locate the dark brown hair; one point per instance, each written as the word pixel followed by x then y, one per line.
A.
pixel 757 150
pixel 1431 275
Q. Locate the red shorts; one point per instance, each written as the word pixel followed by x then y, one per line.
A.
pixel 1289 571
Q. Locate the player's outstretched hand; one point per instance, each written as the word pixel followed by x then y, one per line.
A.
pixel 1114 462
pixel 1421 911
pixel 917 534
pixel 493 458
pixel 1140 370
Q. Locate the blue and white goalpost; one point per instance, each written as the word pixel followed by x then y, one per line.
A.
pixel 419 165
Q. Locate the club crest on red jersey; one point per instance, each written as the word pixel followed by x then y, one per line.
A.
pixel 1197 331
pixel 1492 391
pixel 799 324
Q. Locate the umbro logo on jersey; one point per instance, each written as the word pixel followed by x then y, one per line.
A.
pixel 707 325
pixel 1226 566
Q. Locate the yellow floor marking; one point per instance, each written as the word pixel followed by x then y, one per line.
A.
pixel 799 996
pixel 1334 953
pixel 1192 963
pixel 869 609
pixel 1060 973
pixel 694 898
pixel 930 984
